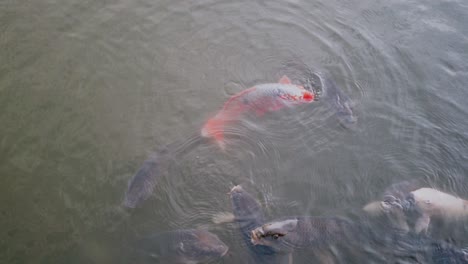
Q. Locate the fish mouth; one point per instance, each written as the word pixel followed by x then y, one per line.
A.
pixel 255 237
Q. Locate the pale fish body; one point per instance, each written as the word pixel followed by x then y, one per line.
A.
pixel 406 200
pixel 391 205
pixel 430 203
pixel 436 203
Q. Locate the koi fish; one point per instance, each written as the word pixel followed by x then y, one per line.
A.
pixel 431 203
pixel 259 99
pixel 326 236
pixel 295 233
pixel 248 214
pixel 390 206
pixel 141 185
pixel 185 246
pixel 341 103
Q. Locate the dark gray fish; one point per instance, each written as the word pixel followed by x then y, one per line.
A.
pixel 308 232
pixel 141 185
pixel 249 215
pixel 186 246
pixel 341 103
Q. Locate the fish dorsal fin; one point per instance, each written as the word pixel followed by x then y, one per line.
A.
pixel 285 80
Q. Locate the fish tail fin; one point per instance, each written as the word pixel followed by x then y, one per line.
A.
pixel 214 128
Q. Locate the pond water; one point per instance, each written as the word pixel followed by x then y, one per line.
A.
pixel 88 89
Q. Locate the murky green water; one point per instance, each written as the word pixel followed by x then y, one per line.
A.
pixel 88 89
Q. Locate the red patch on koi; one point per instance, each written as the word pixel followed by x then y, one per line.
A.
pixel 308 96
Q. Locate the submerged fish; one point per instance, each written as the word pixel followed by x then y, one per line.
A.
pixel 141 185
pixel 340 102
pixel 258 99
pixel 248 214
pixel 186 246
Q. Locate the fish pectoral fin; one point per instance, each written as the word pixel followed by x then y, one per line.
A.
pixel 223 217
pixel 284 80
pixel 422 224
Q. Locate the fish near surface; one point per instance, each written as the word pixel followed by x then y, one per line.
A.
pixel 396 247
pixel 308 232
pixel 142 184
pixel 248 214
pixel 185 246
pixel 391 203
pixel 341 103
pixel 431 203
pixel 258 99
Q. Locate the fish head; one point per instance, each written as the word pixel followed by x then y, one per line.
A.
pixel 306 96
pixel 238 195
pixel 236 190
pixel 202 246
pixel 245 207
pixel 278 235
pixel 296 94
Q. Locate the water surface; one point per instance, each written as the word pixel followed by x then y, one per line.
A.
pixel 88 89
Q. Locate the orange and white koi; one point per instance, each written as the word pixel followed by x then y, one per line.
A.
pixel 259 99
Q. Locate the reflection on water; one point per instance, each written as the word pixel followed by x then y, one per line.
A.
pixel 88 90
